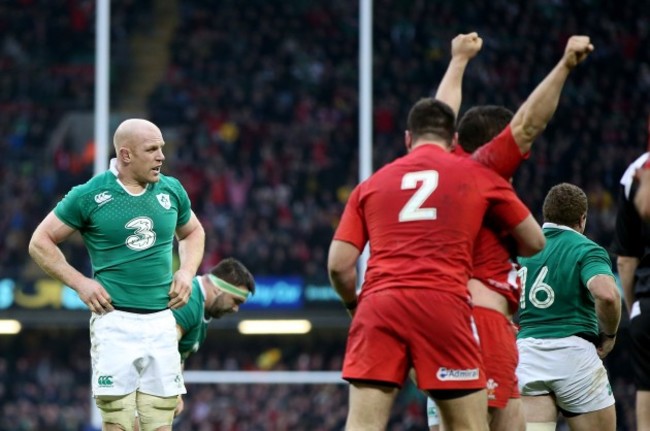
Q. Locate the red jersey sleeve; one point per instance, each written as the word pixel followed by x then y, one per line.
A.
pixel 501 154
pixel 506 210
pixel 352 226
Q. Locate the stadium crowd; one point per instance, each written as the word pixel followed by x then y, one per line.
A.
pixel 263 103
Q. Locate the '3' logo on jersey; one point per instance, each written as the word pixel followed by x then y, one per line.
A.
pixel 144 236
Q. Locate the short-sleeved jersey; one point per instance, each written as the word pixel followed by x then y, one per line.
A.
pixel 129 237
pixel 192 319
pixel 495 265
pixel 421 214
pixel 501 154
pixel 494 261
pixel 555 301
pixel 632 235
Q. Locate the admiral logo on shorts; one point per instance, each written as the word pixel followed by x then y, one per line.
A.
pixel 445 374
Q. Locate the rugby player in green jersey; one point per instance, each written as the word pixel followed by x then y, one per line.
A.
pixel 570 309
pixel 221 291
pixel 128 218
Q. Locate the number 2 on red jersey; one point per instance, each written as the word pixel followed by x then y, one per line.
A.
pixel 413 210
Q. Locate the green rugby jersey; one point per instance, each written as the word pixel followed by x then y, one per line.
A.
pixel 192 319
pixel 555 301
pixel 129 237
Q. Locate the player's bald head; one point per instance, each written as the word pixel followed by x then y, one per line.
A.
pixel 132 131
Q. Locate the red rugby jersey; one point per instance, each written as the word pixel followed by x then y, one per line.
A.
pixel 421 214
pixel 494 264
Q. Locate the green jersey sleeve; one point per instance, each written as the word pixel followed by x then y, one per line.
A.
pixel 70 209
pixel 192 321
pixel 595 262
pixel 184 204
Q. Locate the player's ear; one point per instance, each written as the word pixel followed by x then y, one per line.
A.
pixel 125 154
pixel 583 222
pixel 454 141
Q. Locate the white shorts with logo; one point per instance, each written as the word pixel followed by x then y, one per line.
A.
pixel 433 416
pixel 568 367
pixel 131 351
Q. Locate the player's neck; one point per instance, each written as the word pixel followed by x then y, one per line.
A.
pixel 132 186
pixel 423 142
pixel 128 182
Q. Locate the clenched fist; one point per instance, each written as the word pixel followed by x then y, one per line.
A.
pixel 466 45
pixel 577 49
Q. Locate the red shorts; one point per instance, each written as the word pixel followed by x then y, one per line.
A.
pixel 499 346
pixel 431 331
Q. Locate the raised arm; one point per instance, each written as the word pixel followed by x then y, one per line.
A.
pixel 463 48
pixel 531 118
pixel 44 249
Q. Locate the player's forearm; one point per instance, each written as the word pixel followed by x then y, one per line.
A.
pixel 50 258
pixel 626 268
pixel 342 270
pixel 533 116
pixel 450 89
pixel 608 302
pixel 190 250
pixel 609 314
pixel 345 284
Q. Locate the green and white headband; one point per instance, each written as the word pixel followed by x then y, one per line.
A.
pixel 229 288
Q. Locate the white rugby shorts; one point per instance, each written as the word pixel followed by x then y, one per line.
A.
pixel 433 416
pixel 568 367
pixel 131 351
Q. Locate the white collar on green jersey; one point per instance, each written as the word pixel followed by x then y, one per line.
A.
pixel 558 226
pixel 112 166
pixel 201 287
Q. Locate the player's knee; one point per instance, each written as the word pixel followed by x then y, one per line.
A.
pixel 540 426
pixel 155 412
pixel 117 410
